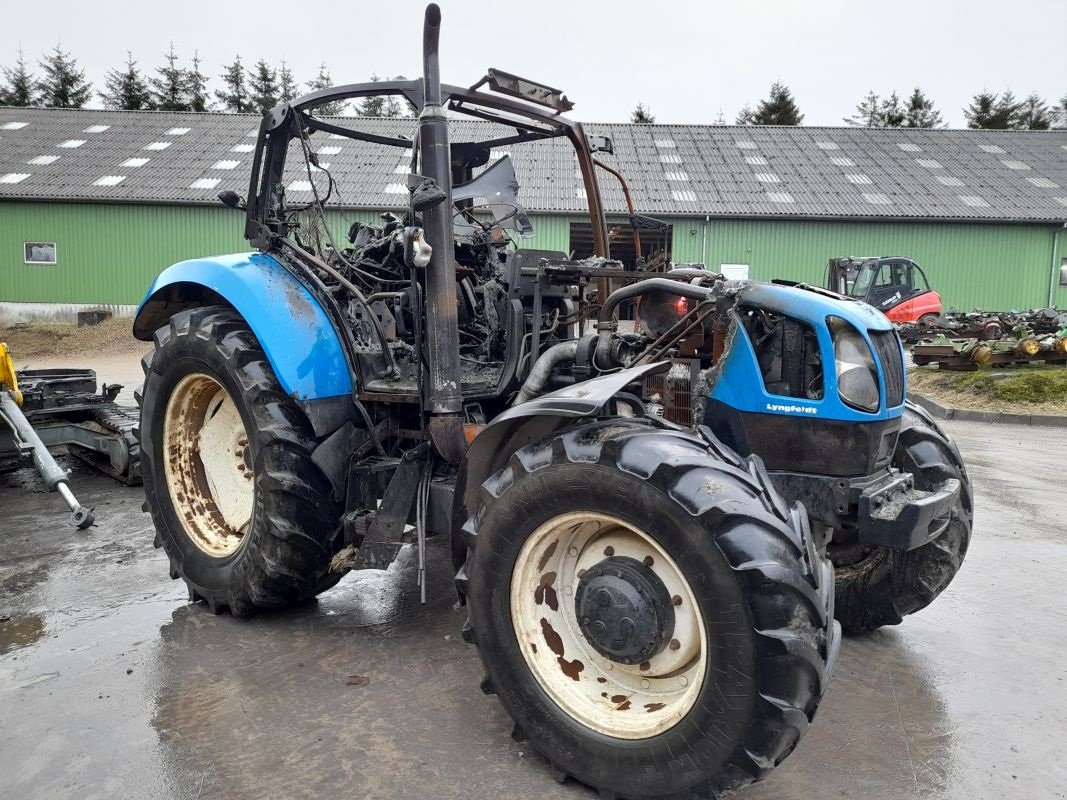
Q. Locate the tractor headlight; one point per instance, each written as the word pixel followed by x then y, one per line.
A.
pixel 857 375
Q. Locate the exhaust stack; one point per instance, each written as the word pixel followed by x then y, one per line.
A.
pixel 444 397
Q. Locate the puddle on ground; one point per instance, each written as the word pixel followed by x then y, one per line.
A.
pixel 16 632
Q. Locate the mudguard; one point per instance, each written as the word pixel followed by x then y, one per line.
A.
pixel 528 423
pixel 300 343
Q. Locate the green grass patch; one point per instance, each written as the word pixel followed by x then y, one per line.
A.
pixel 1033 389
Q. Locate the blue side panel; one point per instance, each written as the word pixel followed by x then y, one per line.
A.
pixel 740 384
pixel 300 343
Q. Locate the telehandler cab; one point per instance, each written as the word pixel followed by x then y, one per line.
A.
pixel 644 523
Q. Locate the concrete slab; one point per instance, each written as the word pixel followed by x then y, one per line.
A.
pixel 111 685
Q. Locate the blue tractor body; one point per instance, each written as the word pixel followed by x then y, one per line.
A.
pixel 740 384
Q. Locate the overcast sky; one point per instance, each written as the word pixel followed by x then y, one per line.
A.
pixel 684 60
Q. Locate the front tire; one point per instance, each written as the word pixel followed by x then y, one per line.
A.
pixel 717 701
pixel 885 585
pixel 244 515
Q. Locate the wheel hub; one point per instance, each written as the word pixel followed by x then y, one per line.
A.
pixel 624 610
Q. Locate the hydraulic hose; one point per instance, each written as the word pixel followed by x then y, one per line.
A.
pixel 542 368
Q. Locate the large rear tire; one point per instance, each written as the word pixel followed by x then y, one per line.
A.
pixel 244 515
pixel 883 585
pixel 716 701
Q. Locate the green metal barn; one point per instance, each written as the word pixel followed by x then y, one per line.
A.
pixel 94 204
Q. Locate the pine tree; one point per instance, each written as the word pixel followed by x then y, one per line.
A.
pixel 169 85
pixel 980 110
pixel 988 110
pixel 1034 114
pixel 921 112
pixel 287 85
pixel 892 114
pixel 126 89
pixel 866 115
pixel 745 116
pixel 18 84
pixel 642 115
pixel 262 86
pixel 779 108
pixel 196 86
pixel 323 81
pixel 1059 113
pixel 371 106
pixel 234 97
pixel 1006 112
pixel 63 84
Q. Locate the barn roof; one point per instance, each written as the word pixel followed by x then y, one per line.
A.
pixel 85 155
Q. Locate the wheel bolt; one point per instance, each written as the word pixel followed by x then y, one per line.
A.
pixel 676 600
pixel 609 550
pixel 572 551
pixel 645 684
pixel 649 561
pixel 675 644
pixel 683 680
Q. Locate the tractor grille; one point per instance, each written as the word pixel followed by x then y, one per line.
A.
pixel 887 350
pixel 675 390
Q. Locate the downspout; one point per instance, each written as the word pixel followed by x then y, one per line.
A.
pixel 1055 265
pixel 704 242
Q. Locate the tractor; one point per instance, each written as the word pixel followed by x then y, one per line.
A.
pixel 643 517
pixel 894 285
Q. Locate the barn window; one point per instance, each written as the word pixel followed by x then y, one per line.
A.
pixel 39 252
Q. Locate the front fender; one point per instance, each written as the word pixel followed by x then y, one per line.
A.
pixel 525 424
pixel 294 331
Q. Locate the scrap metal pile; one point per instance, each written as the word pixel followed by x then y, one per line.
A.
pixel 966 341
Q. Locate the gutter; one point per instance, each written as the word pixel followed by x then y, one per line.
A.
pixel 1055 266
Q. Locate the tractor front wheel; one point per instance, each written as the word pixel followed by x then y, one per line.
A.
pixel 878 586
pixel 245 516
pixel 648 611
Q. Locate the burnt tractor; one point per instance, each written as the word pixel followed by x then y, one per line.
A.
pixel 644 519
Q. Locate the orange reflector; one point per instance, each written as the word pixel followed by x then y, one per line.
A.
pixel 471 430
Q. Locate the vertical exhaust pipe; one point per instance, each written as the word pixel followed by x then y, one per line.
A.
pixel 443 396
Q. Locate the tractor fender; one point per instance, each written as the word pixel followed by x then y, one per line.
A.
pixel 300 343
pixel 525 424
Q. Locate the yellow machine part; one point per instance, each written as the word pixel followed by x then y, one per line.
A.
pixel 9 382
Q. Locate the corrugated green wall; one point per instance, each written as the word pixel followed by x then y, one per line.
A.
pixel 111 253
pixel 987 266
pixel 105 253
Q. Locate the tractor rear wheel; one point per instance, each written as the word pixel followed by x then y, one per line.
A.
pixel 651 615
pixel 881 586
pixel 244 515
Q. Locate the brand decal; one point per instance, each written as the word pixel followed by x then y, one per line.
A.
pixel 791 409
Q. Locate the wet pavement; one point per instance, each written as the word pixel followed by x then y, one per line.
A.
pixel 113 686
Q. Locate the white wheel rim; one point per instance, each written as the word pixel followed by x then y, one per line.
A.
pixel 208 465
pixel 618 700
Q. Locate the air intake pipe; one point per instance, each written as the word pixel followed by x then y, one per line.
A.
pixel 606 324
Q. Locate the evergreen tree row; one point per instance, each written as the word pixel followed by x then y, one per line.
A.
pixel 986 110
pixel 175 87
pixel 172 87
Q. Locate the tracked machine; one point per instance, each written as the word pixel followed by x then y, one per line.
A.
pixel 643 519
